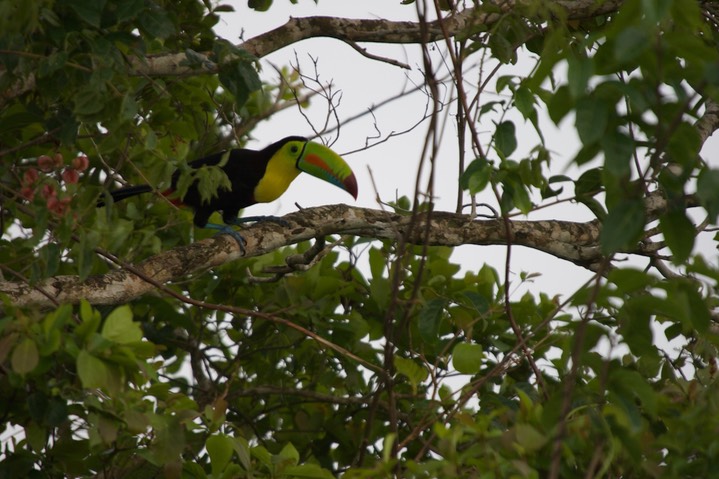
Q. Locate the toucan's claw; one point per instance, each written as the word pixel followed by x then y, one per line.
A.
pixel 241 242
pixel 228 230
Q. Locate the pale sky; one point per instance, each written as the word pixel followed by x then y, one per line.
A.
pixel 364 83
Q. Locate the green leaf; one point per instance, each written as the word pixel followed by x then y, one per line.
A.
pixel 155 21
pixel 377 263
pixel 259 5
pixel 479 301
pixel 411 370
pixel 467 358
pixel 242 449
pixel 630 383
pixel 430 317
pixel 25 356
pixel 239 78
pixel 679 234
pixel 128 9
pixel 560 104
pixel 56 412
pixel 93 372
pixel 90 321
pixel 502 48
pixel 169 440
pixel 589 183
pixel 529 438
pixel 476 177
pixel 515 191
pixel 684 145
pixel 36 436
pixel 89 101
pixel 262 455
pixel 88 11
pixel 220 449
pixel 594 206
pixel 579 70
pixel 120 328
pixel 623 226
pixel 629 280
pixel 618 149
pixel 700 315
pixel 289 453
pixel 505 140
pixel 309 471
pixel 524 100
pixel 592 118
pixel 128 107
pixel 630 44
pixel 635 316
pixel 708 192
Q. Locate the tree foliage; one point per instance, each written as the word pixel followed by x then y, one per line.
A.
pixel 132 345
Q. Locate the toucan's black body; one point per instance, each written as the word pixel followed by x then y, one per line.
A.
pixel 243 167
pixel 255 177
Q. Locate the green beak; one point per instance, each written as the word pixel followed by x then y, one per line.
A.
pixel 323 163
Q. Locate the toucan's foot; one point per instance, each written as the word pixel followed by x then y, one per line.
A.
pixel 228 230
pixel 257 219
pixel 241 242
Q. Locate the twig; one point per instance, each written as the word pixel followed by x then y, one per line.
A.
pixel 365 53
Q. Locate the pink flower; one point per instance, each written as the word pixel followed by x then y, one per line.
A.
pixel 27 192
pixel 45 163
pixel 48 191
pixel 58 206
pixel 30 177
pixel 70 176
pixel 80 163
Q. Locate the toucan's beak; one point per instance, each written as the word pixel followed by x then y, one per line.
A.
pixel 323 163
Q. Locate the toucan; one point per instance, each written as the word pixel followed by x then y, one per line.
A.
pixel 256 177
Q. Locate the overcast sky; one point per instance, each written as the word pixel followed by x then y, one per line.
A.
pixel 364 83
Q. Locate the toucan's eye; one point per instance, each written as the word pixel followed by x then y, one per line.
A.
pixel 294 149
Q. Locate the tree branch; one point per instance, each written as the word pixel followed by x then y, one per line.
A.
pixel 570 241
pixel 347 30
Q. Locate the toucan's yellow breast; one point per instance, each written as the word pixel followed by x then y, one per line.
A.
pixel 279 174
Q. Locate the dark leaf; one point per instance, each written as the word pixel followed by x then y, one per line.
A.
pixel 259 5
pixel 631 43
pixel 623 226
pixel 592 119
pixel 155 21
pixel 708 192
pixel 240 78
pixel 618 149
pixel 429 320
pixel 679 234
pixel 476 177
pixel 89 12
pixel 505 140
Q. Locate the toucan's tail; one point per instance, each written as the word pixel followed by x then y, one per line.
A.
pixel 126 192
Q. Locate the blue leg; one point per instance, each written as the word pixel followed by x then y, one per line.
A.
pixel 228 230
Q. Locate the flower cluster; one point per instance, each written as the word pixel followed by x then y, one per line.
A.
pixel 53 193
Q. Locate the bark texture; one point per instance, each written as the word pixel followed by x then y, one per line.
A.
pixel 575 242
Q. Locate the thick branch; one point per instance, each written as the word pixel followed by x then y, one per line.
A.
pixel 708 123
pixel 343 29
pixel 352 30
pixel 385 31
pixel 575 242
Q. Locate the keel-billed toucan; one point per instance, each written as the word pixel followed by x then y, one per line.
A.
pixel 256 177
